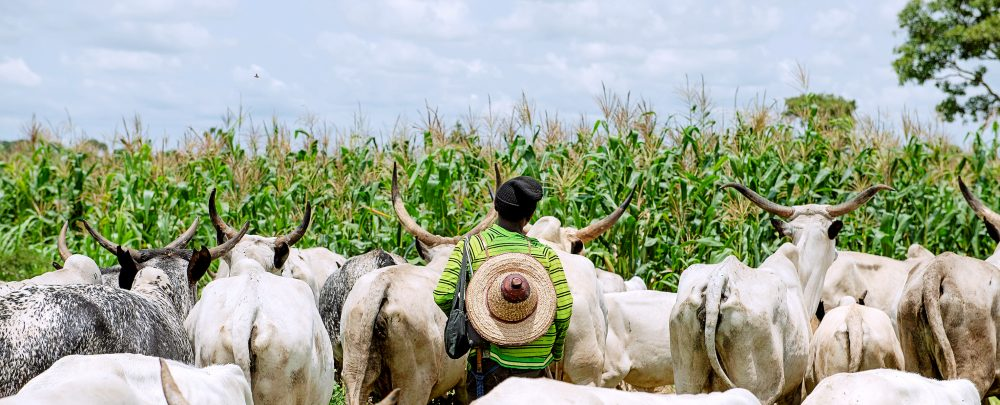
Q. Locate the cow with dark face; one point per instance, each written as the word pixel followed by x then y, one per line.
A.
pixel 109 275
pixel 41 324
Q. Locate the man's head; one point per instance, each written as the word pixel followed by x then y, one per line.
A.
pixel 516 199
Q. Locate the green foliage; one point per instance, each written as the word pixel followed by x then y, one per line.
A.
pixel 831 109
pixel 139 197
pixel 949 42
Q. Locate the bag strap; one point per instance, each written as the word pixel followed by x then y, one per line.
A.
pixel 463 278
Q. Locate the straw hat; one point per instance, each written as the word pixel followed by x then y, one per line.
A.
pixel 511 300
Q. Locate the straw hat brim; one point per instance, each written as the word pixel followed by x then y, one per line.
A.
pixel 503 333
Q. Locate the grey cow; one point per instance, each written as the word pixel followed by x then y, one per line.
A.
pixel 41 324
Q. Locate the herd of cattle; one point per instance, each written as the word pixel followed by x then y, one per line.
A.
pixel 282 325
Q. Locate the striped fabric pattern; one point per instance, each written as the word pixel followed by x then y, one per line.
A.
pixel 544 350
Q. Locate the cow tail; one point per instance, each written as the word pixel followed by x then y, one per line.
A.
pixel 942 353
pixel 713 302
pixel 855 339
pixel 241 327
pixel 357 331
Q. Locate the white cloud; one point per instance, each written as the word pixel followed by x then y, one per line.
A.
pixel 16 71
pixel 448 19
pixel 161 8
pixel 113 59
pixel 834 23
pixel 354 55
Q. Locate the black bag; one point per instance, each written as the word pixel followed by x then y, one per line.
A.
pixel 459 336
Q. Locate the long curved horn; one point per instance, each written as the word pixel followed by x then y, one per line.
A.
pixel 226 246
pixel 299 232
pixel 185 237
pixel 758 200
pixel 857 201
pixel 977 205
pixel 61 242
pixel 491 216
pixel 407 221
pixel 594 230
pixel 171 392
pixel 217 222
pixel 107 244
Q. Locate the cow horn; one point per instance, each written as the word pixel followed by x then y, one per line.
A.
pixel 171 392
pixel 226 246
pixel 422 234
pixel 977 205
pixel 758 200
pixel 857 201
pixel 185 237
pixel 217 221
pixel 107 244
pixel 61 242
pixel 299 232
pixel 595 229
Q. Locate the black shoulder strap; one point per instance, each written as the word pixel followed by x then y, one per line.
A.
pixel 463 277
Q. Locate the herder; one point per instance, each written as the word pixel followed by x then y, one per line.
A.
pixel 517 300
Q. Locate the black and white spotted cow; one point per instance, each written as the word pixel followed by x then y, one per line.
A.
pixel 40 324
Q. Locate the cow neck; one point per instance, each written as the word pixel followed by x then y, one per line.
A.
pixel 816 252
pixel 995 258
pixel 154 286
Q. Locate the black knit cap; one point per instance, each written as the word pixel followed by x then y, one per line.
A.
pixel 516 199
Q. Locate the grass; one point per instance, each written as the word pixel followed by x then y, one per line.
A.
pixel 140 195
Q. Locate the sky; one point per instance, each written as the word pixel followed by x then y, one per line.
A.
pixel 180 64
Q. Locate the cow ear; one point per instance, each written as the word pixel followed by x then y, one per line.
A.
pixel 220 237
pixel 820 312
pixel 861 299
pixel 992 231
pixel 384 259
pixel 281 252
pixel 420 250
pixel 198 266
pixel 129 269
pixel 57 265
pixel 779 227
pixel 576 247
pixel 834 229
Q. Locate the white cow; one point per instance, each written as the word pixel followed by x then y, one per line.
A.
pixel 76 269
pixel 276 254
pixel 583 361
pixel 891 387
pixel 128 379
pixel 392 327
pixel 757 318
pixel 635 284
pixel 852 338
pixel 269 326
pixel 610 282
pixel 638 350
pixel 518 390
pixel 854 273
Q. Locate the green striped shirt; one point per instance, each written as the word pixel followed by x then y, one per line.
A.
pixel 544 350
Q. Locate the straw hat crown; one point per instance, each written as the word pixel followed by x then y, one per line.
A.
pixel 511 300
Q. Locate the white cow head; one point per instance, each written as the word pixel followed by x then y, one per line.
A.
pixel 81 264
pixel 270 252
pixel 813 229
pixel 568 239
pixel 433 248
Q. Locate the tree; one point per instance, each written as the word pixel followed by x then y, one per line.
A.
pixel 948 42
pixel 824 111
pixel 827 106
